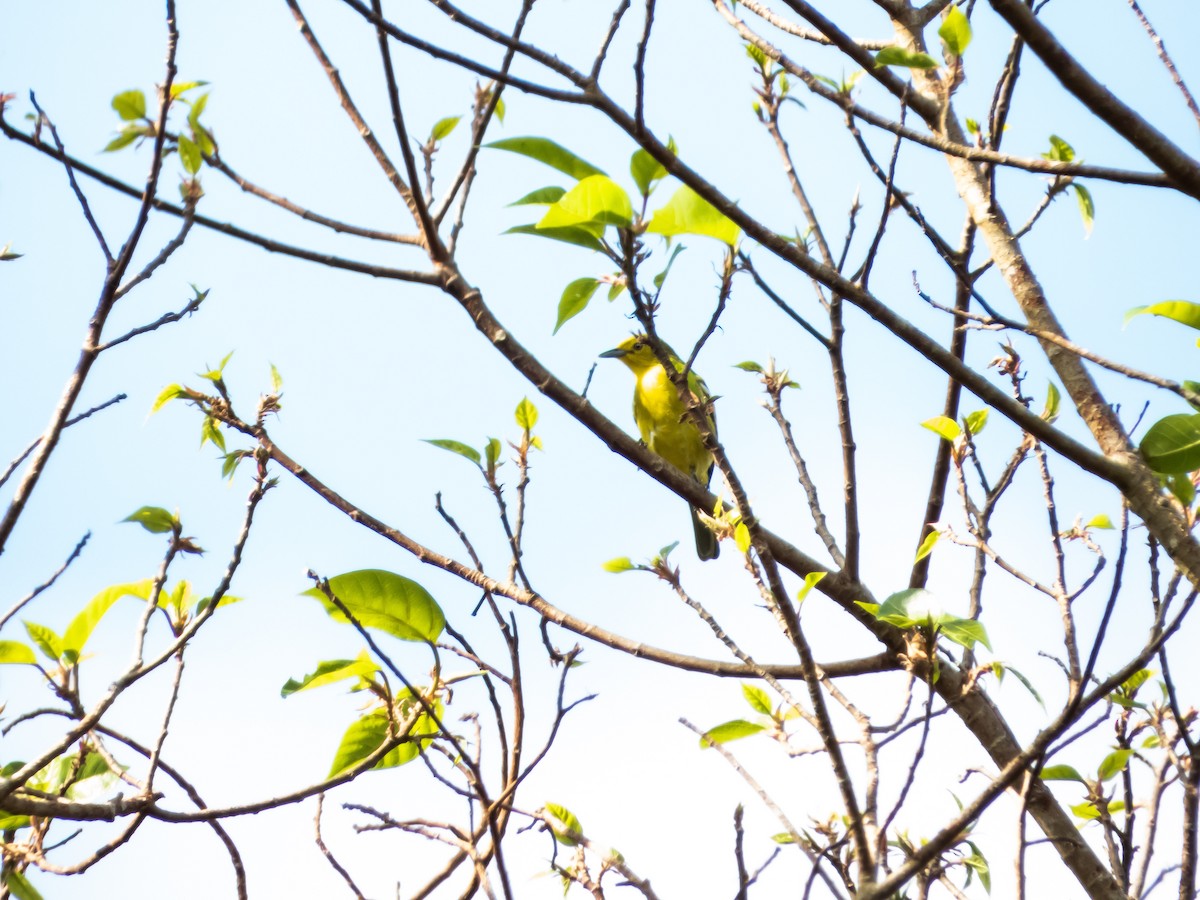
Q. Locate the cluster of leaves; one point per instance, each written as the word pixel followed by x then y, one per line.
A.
pixel 955 32
pixel 407 719
pixel 488 462
pixel 192 146
pixel 584 214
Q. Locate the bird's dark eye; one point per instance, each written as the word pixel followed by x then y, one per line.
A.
pixel 638 345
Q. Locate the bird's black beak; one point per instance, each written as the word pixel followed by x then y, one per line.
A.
pixel 615 353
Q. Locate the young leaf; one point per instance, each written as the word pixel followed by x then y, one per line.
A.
pixel 1100 521
pixel 1061 773
pixel 492 451
pixel 166 395
pixel 580 237
pixel 689 213
pixel 646 171
pixel 443 127
pixel 364 737
pixel 180 87
pixel 85 622
pixel 332 671
pixel 811 580
pixel 1060 150
pixel 130 105
pixel 456 447
pixel 1172 445
pixel 955 31
pixel 976 421
pixel 547 152
pixel 1050 410
pixel 154 519
pixel 276 380
pixel 575 297
pixel 749 366
pixel 898 56
pixel 1087 207
pixel 189 155
pixel 964 632
pixel 546 196
pixel 978 864
pixel 1113 764
pixel 741 536
pixel 526 414
pixel 384 600
pixel 596 199
pixel 729 731
pixel 125 137
pixel 45 639
pixel 619 564
pixel 562 821
pixel 758 699
pixel 943 426
pixel 18 885
pixel 1182 311
pixel 927 545
pixel 16 653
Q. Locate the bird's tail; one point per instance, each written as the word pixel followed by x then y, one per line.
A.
pixel 707 546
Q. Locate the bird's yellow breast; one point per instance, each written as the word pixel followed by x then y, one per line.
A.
pixel 664 428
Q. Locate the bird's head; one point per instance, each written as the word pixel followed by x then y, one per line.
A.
pixel 635 351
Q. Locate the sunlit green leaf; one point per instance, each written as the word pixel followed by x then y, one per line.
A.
pixel 1061 773
pixel 332 671
pixel 574 300
pixel 596 199
pixel 85 622
pixel 758 699
pixel 45 639
pixel 154 519
pixel 443 127
pixel 749 366
pixel 964 632
pixel 646 171
pixel 1172 444
pixel 689 213
pixel 730 731
pixel 1113 764
pixel 189 155
pixel 130 105
pixel 898 56
pixel 955 31
pixel 368 734
pixel 547 152
pixel 741 537
pixel 1050 410
pixel 19 887
pixel 16 653
pixel 619 564
pixel 125 137
pixel 1099 521
pixel 944 427
pixel 1183 311
pixel 927 545
pixel 169 393
pixel 811 580
pixel 546 196
pixel 976 421
pixel 526 414
pixel 384 600
pixel 1087 206
pixel 458 447
pixel 577 235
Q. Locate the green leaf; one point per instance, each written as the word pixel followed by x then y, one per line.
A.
pixel 756 53
pixel 976 421
pixel 1087 206
pixel 548 152
pixel 811 580
pixel 1172 445
pixel 16 653
pixel 619 564
pixel 332 671
pixel 19 886
pixel 276 380
pixel 964 632
pixel 1060 150
pixel 1182 311
pixel 730 731
pixel 85 622
pixel 154 519
pixel 197 109
pixel 492 451
pixel 130 105
pixel 526 414
pixel 443 127
pixel 741 537
pixel 927 545
pixel 662 276
pixel 386 601
pixel 955 31
pixel 1061 773
pixel 1000 669
pixel 546 196
pixel 189 155
pixel 580 237
pixel 758 699
pixel 1100 521
pixel 596 199
pixel 614 291
pixel 646 171
pixel 456 447
pixel 973 127
pixel 1113 764
pixel 563 820
pixel 125 137
pixel 575 298
pixel 978 864
pixel 181 87
pixel 749 366
pixel 500 110
pixel 166 395
pixel 943 426
pixel 1050 410
pixel 367 734
pixel 45 639
pixel 689 213
pixel 1182 488
pixel 783 838
pixel 12 823
pixel 898 56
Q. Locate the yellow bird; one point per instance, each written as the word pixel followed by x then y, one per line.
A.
pixel 664 427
